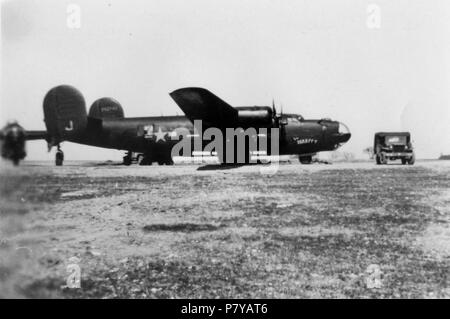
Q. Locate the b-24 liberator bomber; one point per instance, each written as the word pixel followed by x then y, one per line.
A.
pixel 153 138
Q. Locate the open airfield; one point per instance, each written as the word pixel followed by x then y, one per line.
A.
pixel 192 231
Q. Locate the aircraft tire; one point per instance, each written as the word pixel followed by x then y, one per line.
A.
pixel 305 159
pixel 127 160
pixel 147 160
pixel 59 158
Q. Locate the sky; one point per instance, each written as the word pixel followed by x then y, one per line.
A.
pixel 374 65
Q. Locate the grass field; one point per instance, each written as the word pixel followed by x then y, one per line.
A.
pixel 178 232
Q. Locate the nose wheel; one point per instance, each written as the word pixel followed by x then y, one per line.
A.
pixel 305 159
pixel 59 157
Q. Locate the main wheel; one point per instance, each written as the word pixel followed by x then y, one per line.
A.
pixel 147 160
pixel 305 159
pixel 127 160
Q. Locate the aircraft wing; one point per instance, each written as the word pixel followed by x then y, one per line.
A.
pixel 29 135
pixel 36 135
pixel 200 104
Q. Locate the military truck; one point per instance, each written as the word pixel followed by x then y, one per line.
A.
pixel 390 146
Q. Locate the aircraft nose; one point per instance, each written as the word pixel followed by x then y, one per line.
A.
pixel 344 133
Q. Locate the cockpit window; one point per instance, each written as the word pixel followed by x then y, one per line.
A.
pixel 343 129
pixel 294 119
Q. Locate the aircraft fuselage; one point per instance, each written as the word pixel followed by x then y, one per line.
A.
pixel 158 134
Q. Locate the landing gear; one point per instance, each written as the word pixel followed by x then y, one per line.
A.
pixel 166 160
pixel 146 161
pixel 128 159
pixel 161 159
pixel 169 161
pixel 59 157
pixel 305 159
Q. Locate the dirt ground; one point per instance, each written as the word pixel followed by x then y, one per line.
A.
pixel 347 230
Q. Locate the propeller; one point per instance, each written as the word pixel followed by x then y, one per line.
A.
pixel 276 116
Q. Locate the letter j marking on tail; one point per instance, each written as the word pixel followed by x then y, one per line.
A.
pixel 70 127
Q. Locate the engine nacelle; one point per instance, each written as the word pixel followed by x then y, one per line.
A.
pixel 13 144
pixel 255 115
pixel 106 108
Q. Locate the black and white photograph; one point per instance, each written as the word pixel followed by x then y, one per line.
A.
pixel 246 150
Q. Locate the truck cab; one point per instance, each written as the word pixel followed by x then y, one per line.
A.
pixel 391 146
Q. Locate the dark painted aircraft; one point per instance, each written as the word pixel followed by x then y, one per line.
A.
pixel 152 138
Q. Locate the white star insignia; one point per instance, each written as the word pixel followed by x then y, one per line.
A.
pixel 160 135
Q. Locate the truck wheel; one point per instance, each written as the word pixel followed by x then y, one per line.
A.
pixel 412 160
pixel 378 159
pixel 404 161
pixel 146 161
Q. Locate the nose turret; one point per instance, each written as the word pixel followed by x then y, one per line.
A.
pixel 343 133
